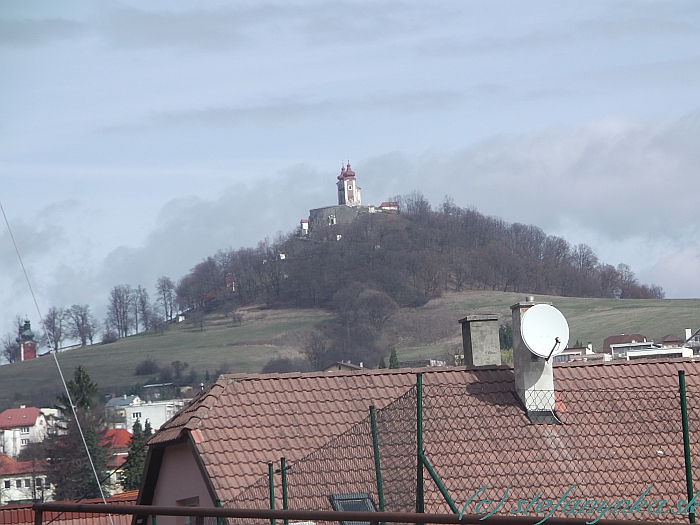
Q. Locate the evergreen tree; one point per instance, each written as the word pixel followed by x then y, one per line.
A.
pixel 382 363
pixel 393 359
pixel 137 456
pixel 83 392
pixel 69 469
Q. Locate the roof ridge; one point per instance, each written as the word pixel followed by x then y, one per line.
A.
pixel 245 376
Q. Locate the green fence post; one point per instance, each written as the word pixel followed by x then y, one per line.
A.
pixel 153 520
pixel 686 442
pixel 420 495
pixel 283 463
pixel 219 520
pixel 271 481
pixel 438 482
pixel 377 465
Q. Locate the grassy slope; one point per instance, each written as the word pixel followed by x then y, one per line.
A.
pixel 417 333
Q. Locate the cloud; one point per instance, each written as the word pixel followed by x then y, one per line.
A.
pixel 231 27
pixel 35 33
pixel 293 110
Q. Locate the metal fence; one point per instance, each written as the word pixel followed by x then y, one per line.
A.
pixel 599 454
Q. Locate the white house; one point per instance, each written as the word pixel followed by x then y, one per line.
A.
pixel 23 482
pixel 19 427
pixel 122 412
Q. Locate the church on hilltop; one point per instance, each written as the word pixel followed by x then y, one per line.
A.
pixel 348 208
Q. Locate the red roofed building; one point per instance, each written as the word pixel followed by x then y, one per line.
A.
pixel 613 431
pixel 19 427
pixel 23 482
pixel 118 440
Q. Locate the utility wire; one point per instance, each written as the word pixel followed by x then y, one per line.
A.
pixel 60 372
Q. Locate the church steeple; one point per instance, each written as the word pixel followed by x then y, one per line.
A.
pixel 348 190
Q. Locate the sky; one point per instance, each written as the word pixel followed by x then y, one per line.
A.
pixel 139 137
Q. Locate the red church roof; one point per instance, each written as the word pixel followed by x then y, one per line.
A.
pixel 19 417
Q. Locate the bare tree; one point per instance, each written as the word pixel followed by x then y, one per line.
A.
pixel 81 324
pixel 55 327
pixel 119 309
pixel 10 348
pixel 166 296
pixel 141 308
pixel 316 349
pixel 378 307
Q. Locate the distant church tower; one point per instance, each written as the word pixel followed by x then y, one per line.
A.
pixel 26 342
pixel 348 190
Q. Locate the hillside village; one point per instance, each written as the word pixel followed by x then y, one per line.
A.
pixel 224 454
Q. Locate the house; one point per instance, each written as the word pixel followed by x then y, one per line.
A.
pixel 343 366
pixel 122 412
pixel 117 441
pixel 595 437
pixel 19 427
pixel 621 339
pixel 23 481
pixel 24 515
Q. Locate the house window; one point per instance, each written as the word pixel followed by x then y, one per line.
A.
pixel 355 502
pixel 24 430
pixel 24 442
pixel 7 483
pixel 331 220
pixel 189 520
pixel 136 415
pixel 38 482
pixel 18 483
pixel 28 482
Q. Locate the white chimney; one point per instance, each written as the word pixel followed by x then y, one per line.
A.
pixel 688 333
pixel 534 381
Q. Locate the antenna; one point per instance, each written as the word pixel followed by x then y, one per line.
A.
pixel 544 331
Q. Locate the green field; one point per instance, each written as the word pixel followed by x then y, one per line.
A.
pixel 417 333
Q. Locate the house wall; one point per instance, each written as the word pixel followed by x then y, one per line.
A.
pixel 157 413
pixel 31 486
pixel 12 440
pixel 179 479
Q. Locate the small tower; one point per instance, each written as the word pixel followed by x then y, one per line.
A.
pixel 27 345
pixel 348 190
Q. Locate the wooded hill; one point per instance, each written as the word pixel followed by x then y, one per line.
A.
pixel 411 256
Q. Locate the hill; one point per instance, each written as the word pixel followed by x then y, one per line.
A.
pixel 428 331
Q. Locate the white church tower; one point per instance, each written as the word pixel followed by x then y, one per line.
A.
pixel 348 190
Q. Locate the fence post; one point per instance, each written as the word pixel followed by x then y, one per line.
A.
pixel 271 481
pixel 283 463
pixel 686 443
pixel 377 464
pixel 420 496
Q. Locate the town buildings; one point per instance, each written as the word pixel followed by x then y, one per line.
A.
pixel 19 427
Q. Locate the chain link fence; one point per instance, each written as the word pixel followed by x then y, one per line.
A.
pixel 613 454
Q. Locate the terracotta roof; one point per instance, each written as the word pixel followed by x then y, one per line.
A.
pixel 23 514
pixel 19 417
pixel 22 467
pixel 244 421
pixel 117 438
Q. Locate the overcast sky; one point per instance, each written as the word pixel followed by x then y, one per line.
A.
pixel 137 138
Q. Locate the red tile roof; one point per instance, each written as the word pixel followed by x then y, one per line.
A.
pixel 22 467
pixel 477 433
pixel 24 515
pixel 19 417
pixel 117 438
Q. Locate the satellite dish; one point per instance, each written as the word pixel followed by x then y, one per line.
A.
pixel 544 330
